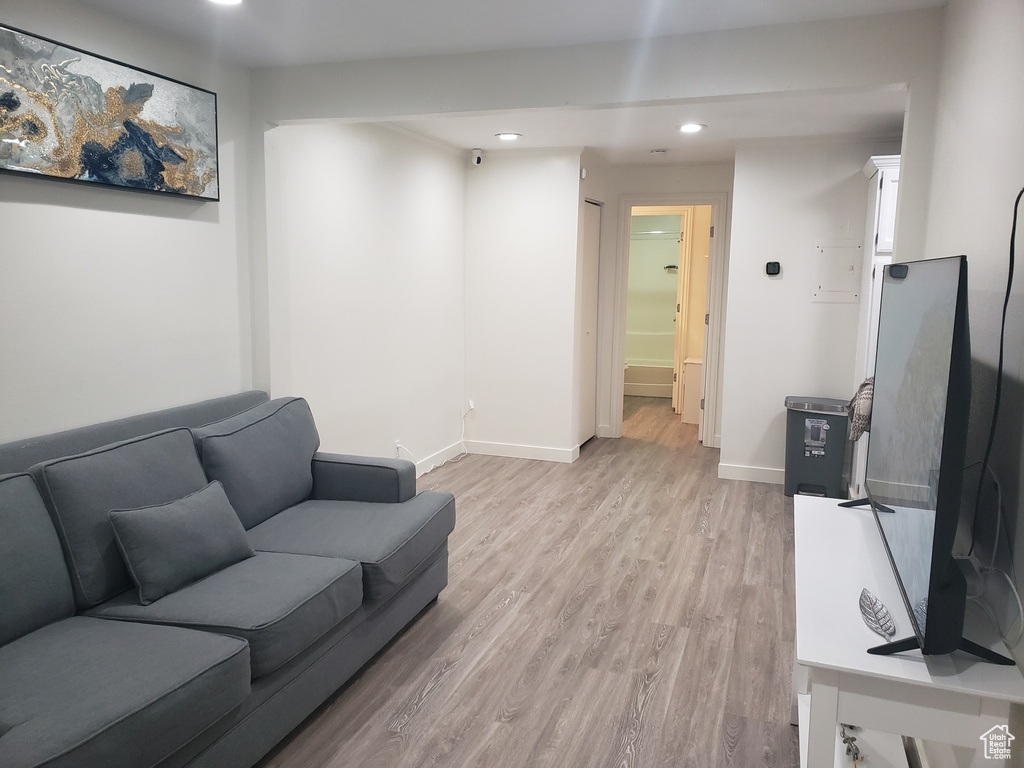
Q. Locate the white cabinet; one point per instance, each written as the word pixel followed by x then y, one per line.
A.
pixel 888 177
pixel 692 390
pixel 883 172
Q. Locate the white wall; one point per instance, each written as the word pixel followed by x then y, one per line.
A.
pixel 789 197
pixel 521 234
pixel 874 51
pixel 366 301
pixel 212 335
pixel 651 296
pixel 978 171
pixel 114 302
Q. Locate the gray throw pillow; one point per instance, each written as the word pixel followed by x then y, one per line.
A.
pixel 170 545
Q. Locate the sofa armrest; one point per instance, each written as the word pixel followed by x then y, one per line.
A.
pixel 362 478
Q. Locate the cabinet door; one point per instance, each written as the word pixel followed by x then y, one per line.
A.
pixel 889 185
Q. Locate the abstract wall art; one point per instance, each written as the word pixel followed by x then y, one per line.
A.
pixel 69 114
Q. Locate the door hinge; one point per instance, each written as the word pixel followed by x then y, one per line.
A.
pixel 675 377
pixel 706 316
pixel 712 230
pixel 677 307
pixel 702 403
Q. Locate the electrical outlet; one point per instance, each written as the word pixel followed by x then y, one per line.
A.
pixel 398 449
pixel 471 405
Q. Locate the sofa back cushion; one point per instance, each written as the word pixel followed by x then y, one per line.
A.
pixel 263 457
pixel 34 586
pixel 81 490
pixel 20 455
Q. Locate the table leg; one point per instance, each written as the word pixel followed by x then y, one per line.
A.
pixel 799 687
pixel 824 712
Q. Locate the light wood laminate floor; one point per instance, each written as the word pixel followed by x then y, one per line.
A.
pixel 629 609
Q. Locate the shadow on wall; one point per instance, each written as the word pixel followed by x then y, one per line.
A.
pixel 59 193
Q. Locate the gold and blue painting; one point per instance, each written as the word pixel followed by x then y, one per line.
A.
pixel 69 114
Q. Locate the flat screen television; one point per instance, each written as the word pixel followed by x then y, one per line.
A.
pixel 918 443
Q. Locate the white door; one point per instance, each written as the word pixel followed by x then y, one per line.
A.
pixel 682 308
pixel 589 253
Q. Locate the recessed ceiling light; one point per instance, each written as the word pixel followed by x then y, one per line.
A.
pixel 226 2
pixel 508 136
pixel 692 127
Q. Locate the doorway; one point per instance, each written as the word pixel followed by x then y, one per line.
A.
pixel 666 303
pixel 707 326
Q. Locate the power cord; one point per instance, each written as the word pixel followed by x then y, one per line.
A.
pixel 985 570
pixel 999 369
pixel 1000 518
pixel 454 459
pixel 462 439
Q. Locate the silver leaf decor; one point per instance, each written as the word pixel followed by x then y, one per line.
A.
pixel 921 613
pixel 876 615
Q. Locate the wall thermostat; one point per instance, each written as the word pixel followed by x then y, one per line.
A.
pixel 772 268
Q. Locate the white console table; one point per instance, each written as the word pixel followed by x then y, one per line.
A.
pixel 952 699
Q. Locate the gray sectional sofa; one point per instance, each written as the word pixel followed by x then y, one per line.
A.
pixel 183 588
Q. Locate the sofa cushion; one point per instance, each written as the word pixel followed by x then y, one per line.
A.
pixel 34 585
pixel 263 456
pixel 19 455
pixel 167 546
pixel 390 540
pixel 279 603
pixel 89 692
pixel 80 490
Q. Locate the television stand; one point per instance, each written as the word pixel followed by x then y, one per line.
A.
pixel 858 503
pixel 950 699
pixel 854 503
pixel 911 644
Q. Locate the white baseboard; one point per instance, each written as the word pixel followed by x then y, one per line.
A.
pixel 436 460
pixel 752 474
pixel 513 451
pixel 647 390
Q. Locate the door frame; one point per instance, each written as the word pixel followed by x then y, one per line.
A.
pixel 716 292
pixel 581 329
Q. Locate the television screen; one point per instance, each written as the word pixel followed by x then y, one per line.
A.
pixel 918 439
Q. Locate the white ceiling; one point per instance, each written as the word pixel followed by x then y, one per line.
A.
pixel 286 32
pixel 627 135
pixel 280 32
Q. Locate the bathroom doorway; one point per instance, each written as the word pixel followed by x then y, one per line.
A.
pixel 666 305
